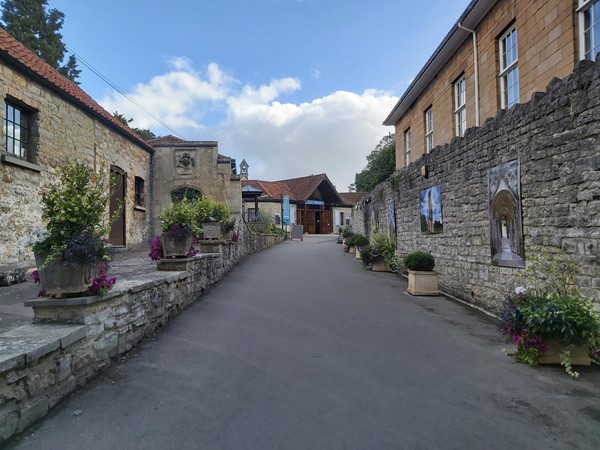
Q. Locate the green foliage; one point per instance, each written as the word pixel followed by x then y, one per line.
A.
pixel 546 275
pixel 420 261
pixel 359 241
pixel 37 27
pixel 381 163
pixel 346 234
pixel 382 247
pixel 180 214
pixel 75 208
pixel 144 133
pixel 211 211
pixel 549 307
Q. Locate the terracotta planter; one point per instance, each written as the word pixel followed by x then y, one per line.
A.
pixel 59 279
pixel 555 346
pixel 379 266
pixel 422 283
pixel 176 245
pixel 212 230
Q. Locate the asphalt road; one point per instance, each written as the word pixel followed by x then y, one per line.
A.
pixel 299 348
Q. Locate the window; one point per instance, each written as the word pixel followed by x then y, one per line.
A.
pixel 460 105
pixel 140 199
pixel 16 130
pixel 589 24
pixel 407 147
pixel 429 130
pixel 509 69
pixel 252 215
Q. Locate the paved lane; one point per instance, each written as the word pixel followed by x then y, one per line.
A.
pixel 299 348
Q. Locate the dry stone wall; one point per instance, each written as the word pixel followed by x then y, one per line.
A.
pixel 556 139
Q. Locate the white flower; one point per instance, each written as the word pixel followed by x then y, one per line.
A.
pixel 520 290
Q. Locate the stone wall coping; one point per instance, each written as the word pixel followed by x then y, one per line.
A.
pixel 28 343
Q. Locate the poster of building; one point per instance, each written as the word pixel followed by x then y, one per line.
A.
pixel 430 210
pixel 506 227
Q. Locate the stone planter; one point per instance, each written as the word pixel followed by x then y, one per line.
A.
pixel 59 279
pixel 422 283
pixel 379 266
pixel 555 346
pixel 346 248
pixel 212 230
pixel 357 254
pixel 176 245
pixel 352 250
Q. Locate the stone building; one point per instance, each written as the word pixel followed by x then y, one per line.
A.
pixel 49 121
pixel 192 168
pixel 499 53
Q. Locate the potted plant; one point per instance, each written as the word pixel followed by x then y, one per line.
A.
pixel 178 228
pixel 359 242
pixel 346 237
pixel 73 252
pixel 422 280
pixel 210 216
pixel 382 254
pixel 548 320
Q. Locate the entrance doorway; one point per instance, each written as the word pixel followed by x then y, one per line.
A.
pixel 117 202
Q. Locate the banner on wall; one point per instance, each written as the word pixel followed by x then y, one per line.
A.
pixel 285 209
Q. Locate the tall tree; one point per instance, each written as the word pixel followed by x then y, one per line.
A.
pixel 381 163
pixel 144 133
pixel 38 27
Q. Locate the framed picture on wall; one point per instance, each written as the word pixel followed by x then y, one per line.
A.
pixel 430 210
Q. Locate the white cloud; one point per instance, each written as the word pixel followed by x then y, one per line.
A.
pixel 315 73
pixel 331 134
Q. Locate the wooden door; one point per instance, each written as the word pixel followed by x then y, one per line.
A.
pixel 117 202
pixel 309 222
pixel 327 222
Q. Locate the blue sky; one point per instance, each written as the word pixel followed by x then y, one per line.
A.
pixel 296 87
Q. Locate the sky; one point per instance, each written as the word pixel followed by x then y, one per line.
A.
pixel 295 87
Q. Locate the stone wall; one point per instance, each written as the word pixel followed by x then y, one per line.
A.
pixel 555 137
pixel 73 339
pixel 61 132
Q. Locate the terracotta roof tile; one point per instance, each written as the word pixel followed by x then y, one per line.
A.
pixel 352 198
pixel 15 52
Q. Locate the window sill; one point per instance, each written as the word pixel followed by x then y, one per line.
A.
pixel 14 161
pixel 139 208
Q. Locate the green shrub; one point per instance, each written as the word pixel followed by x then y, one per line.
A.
pixel 359 241
pixel 420 261
pixel 181 214
pixel 347 234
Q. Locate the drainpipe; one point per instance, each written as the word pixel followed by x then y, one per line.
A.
pixel 476 70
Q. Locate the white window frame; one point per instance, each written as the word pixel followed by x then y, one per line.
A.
pixel 509 68
pixel 407 147
pixel 587 7
pixel 429 129
pixel 460 105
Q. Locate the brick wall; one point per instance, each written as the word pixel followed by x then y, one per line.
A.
pixel 555 136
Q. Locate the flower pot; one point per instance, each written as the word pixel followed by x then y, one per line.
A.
pixel 555 346
pixel 422 283
pixel 379 266
pixel 60 278
pixel 352 250
pixel 346 249
pixel 176 245
pixel 357 255
pixel 212 230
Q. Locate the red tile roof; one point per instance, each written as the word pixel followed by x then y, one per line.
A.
pixel 299 189
pixel 352 198
pixel 16 53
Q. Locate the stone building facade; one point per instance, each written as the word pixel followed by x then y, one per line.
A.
pixel 554 140
pixel 196 167
pixel 500 52
pixel 48 122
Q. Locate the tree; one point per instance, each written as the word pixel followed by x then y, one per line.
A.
pixel 37 27
pixel 381 163
pixel 144 133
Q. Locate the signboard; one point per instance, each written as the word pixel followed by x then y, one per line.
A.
pixel 314 202
pixel 297 232
pixel 285 208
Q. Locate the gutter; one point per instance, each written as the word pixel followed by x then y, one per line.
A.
pixel 475 69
